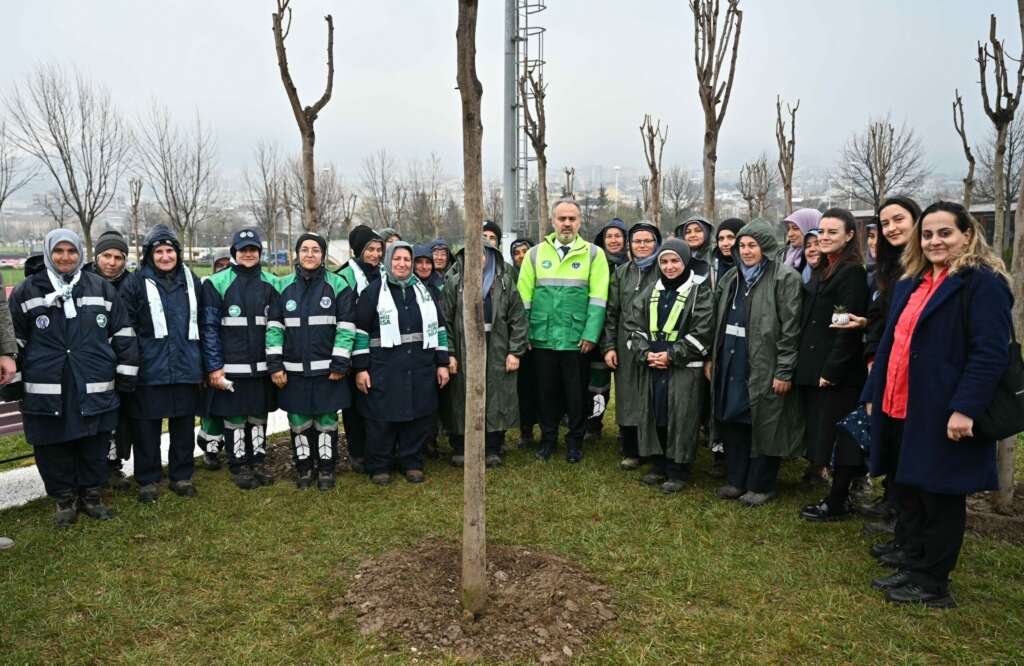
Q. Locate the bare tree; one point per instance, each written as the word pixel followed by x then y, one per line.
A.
pixel 426 180
pixel 13 174
pixel 711 47
pixel 264 187
pixel 493 202
pixel 385 193
pixel 881 160
pixel 787 148
pixel 747 188
pixel 135 200
pixel 645 192
pixel 180 165
pixel 679 192
pixel 755 185
pixel 305 117
pixel 961 130
pixel 653 138
pixel 569 188
pixel 73 128
pixel 55 206
pixel 532 88
pixel 1013 162
pixel 1001 115
pixel 474 533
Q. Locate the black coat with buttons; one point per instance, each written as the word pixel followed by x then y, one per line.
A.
pixel 403 378
pixel 834 354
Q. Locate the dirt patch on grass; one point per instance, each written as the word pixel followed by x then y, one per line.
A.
pixel 983 520
pixel 541 607
pixel 279 456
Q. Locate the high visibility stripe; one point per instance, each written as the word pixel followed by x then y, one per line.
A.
pixel 670 331
pixel 21 342
pixel 341 351
pixel 33 303
pixel 360 352
pixel 42 389
pixel 156 310
pixel 561 282
pixel 99 387
pixel 292 322
pixel 695 364
pixel 274 324
pixel 594 300
pixel 128 370
pixel 292 367
pixel 261 366
pixel 244 368
pixel 274 350
pixel 488 327
pixel 322 320
pixel 346 326
pixel 259 320
pixel 319 365
pixel 408 337
pixel 735 331
pixel 126 332
pixel 93 300
pixel 302 426
pixel 234 321
pixel 696 343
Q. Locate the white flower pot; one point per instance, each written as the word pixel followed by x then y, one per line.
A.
pixel 840 318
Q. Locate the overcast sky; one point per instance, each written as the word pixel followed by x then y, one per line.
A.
pixel 609 62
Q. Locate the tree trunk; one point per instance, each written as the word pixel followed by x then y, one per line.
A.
pixel 86 237
pixel 999 220
pixel 310 221
pixel 788 188
pixel 710 159
pixel 474 525
pixel 542 195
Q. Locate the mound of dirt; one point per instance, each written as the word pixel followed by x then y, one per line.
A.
pixel 983 520
pixel 279 456
pixel 541 607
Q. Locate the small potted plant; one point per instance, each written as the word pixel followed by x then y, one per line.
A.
pixel 840 317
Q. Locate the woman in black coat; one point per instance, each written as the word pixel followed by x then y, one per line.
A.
pixel 830 368
pixel 940 359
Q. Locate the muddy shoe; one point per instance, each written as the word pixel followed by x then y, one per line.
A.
pixel 652 479
pixel 325 480
pixel 629 464
pixel 92 505
pixel 244 478
pixel 672 486
pixel 149 492
pixel 211 461
pixel 184 488
pixel 116 480
pixel 303 479
pixel 381 478
pixel 492 461
pixel 415 476
pixel 729 493
pixel 263 475
pixel 67 512
pixel 756 499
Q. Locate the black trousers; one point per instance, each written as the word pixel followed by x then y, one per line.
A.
pixel 70 468
pixel 355 432
pixel 120 441
pixel 666 466
pixel 562 378
pixel 492 443
pixel 396 444
pixel 758 475
pixel 629 440
pixel 180 456
pixel 935 526
pixel 526 385
pixel 823 407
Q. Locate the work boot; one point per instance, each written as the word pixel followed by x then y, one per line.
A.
pixel 244 478
pixel 325 480
pixel 415 476
pixel 751 498
pixel 116 479
pixel 381 478
pixel 91 505
pixel 149 492
pixel 672 486
pixel 183 488
pixel 652 478
pixel 303 478
pixel 573 456
pixel 211 461
pixel 729 492
pixel 629 464
pixel 879 549
pixel 898 579
pixel 912 593
pixel 67 511
pixel 262 474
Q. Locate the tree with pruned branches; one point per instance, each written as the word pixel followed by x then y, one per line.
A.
pixel 716 41
pixel 882 159
pixel 305 117
pixel 755 185
pixel 73 129
pixel 532 88
pixel 134 203
pixel 13 173
pixel 961 130
pixel 787 148
pixel 264 187
pixel 653 137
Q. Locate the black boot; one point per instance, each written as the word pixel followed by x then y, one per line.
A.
pixel 262 474
pixel 303 477
pixel 116 480
pixel 325 479
pixel 67 511
pixel 92 505
pixel 244 478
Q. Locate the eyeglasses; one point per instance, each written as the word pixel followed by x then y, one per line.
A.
pixel 642 241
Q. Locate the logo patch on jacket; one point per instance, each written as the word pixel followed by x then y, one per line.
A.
pixel 291 305
pixel 325 302
pixel 576 265
pixel 234 311
pixel 101 320
pixel 546 263
pixel 42 321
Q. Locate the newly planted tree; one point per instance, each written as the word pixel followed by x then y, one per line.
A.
pixel 787 148
pixel 653 138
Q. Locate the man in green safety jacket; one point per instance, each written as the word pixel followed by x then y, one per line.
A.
pixel 563 282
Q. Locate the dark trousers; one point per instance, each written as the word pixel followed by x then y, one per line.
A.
pixel 120 441
pixel 935 525
pixel 396 444
pixel 355 432
pixel 492 443
pixel 561 386
pixel 629 440
pixel 667 467
pixel 526 385
pixel 70 468
pixel 758 475
pixel 823 407
pixel 180 456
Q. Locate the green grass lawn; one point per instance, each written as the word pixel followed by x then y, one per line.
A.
pixel 254 577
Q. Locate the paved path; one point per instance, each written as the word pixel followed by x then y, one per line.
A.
pixel 22 485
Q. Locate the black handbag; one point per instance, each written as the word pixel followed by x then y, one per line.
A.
pixel 1004 416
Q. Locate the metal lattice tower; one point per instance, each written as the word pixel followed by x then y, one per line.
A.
pixel 524 51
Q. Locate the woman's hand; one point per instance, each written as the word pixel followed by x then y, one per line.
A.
pixel 279 378
pixel 867 408
pixel 658 360
pixel 453 365
pixel 780 387
pixel 707 370
pixel 216 380
pixel 511 363
pixel 363 381
pixel 442 377
pixel 336 376
pixel 959 426
pixel 854 323
pixel 611 359
pixel 823 383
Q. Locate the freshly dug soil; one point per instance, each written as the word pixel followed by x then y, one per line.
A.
pixel 279 456
pixel 981 519
pixel 541 607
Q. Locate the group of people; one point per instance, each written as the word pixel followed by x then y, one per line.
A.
pixel 717 334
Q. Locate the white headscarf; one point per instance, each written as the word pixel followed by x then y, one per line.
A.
pixel 63 283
